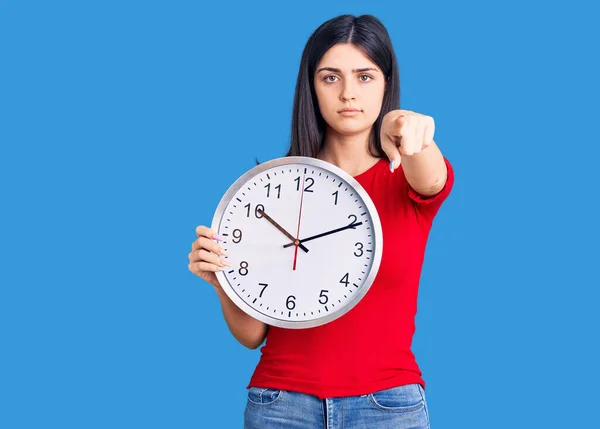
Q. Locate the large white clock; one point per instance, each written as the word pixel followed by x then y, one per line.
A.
pixel 303 239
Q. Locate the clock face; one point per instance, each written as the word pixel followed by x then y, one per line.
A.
pixel 304 241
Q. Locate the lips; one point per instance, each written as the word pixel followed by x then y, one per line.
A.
pixel 349 112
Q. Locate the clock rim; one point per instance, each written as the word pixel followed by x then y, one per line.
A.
pixel 377 233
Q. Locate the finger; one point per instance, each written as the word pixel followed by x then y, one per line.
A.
pixel 198 267
pixel 398 125
pixel 396 159
pixel 393 154
pixel 205 243
pixel 409 131
pixel 393 140
pixel 204 231
pixel 420 135
pixel 209 244
pixel 390 149
pixel 429 132
pixel 203 255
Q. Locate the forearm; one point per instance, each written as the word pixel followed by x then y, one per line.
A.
pixel 426 171
pixel 246 329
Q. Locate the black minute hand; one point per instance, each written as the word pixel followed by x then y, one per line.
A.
pixel 333 231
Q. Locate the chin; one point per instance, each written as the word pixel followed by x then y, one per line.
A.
pixel 350 129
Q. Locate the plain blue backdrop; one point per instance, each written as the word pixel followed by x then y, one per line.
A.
pixel 123 123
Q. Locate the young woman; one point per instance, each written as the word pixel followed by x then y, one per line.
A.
pixel 358 370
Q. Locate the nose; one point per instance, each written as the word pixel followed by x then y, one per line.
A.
pixel 348 92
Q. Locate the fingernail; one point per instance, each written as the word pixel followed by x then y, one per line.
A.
pixel 217 237
pixel 223 252
pixel 392 166
pixel 224 262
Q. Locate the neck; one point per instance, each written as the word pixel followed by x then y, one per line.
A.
pixel 348 152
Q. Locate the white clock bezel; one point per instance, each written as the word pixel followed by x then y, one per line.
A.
pixel 377 240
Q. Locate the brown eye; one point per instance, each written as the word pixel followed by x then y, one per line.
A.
pixel 366 75
pixel 329 81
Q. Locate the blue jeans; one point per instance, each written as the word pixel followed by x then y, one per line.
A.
pixel 399 407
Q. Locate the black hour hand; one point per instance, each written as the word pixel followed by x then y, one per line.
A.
pixel 280 228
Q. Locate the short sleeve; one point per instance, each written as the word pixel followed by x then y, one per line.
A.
pixel 429 206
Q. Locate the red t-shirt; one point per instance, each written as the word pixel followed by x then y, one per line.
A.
pixel 368 348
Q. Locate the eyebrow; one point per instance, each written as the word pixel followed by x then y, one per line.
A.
pixel 331 69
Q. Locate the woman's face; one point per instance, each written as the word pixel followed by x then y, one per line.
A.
pixel 346 78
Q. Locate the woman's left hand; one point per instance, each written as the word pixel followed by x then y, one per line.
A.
pixel 405 133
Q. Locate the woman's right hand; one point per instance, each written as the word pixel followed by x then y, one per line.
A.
pixel 205 257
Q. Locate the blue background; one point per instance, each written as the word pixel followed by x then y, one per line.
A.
pixel 123 123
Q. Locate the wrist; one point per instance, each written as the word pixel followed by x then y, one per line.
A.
pixel 217 286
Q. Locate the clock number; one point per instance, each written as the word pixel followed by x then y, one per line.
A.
pixel 336 197
pixel 237 236
pixel 256 209
pixel 306 189
pixel 244 268
pixel 290 303
pixel 312 182
pixel 263 289
pixel 359 249
pixel 323 296
pixel 355 219
pixel 278 187
pixel 345 280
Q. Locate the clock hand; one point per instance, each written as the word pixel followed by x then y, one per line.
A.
pixel 352 225
pixel 296 242
pixel 280 228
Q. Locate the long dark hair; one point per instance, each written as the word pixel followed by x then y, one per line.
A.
pixel 369 35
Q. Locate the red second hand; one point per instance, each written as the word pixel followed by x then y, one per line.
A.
pixel 299 217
